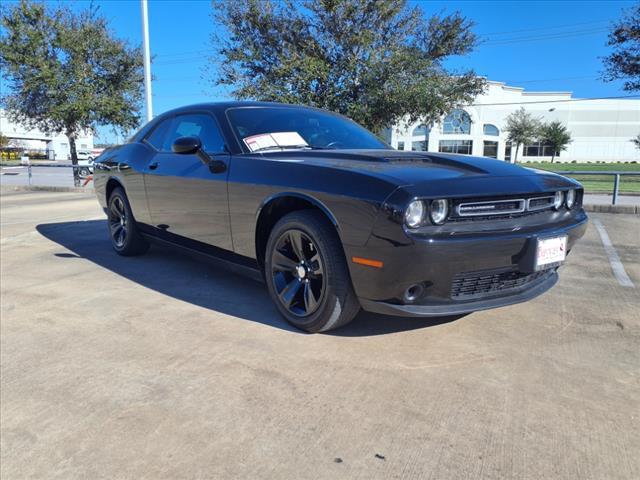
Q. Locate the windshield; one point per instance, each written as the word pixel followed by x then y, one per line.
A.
pixel 278 128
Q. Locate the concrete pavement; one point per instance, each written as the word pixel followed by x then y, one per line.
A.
pixel 163 367
pixel 595 199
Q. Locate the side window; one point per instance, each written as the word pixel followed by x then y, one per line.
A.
pixel 158 134
pixel 196 125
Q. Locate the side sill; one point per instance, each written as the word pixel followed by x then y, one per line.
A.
pixel 212 255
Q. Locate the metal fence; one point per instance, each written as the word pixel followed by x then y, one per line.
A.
pixel 84 179
pixel 615 174
pixel 616 178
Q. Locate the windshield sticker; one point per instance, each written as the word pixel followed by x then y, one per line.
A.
pixel 275 140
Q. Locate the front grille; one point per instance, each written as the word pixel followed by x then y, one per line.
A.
pixel 483 208
pixel 540 203
pixel 489 282
pixel 491 207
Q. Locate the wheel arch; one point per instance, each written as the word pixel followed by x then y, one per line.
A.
pixel 273 208
pixel 111 185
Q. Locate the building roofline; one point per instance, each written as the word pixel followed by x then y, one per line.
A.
pixel 547 93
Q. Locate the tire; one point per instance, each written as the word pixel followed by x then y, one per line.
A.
pixel 83 172
pixel 307 275
pixel 123 230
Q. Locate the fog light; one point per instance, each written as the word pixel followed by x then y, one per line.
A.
pixel 558 199
pixel 413 293
pixel 571 199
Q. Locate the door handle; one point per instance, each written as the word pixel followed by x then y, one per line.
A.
pixel 153 166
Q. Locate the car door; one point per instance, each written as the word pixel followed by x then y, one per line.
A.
pixel 185 197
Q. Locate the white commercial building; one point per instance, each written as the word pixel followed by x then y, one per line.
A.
pixel 601 130
pixel 52 145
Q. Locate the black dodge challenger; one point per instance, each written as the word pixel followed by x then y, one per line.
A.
pixel 334 219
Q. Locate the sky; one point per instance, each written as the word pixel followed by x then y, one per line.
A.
pixel 538 45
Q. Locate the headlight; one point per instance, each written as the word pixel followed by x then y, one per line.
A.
pixel 439 211
pixel 414 214
pixel 571 199
pixel 557 200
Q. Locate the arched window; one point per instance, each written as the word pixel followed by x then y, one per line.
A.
pixel 457 121
pixel 420 130
pixel 491 130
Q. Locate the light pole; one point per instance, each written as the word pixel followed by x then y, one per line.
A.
pixel 147 59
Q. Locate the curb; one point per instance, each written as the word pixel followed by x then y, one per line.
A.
pixel 629 209
pixel 37 188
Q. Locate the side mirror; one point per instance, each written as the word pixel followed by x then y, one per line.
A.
pixel 191 145
pixel 186 145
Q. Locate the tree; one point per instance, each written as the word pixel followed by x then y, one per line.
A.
pixel 636 141
pixel 556 135
pixel 375 61
pixel 4 141
pixel 67 72
pixel 521 128
pixel 624 62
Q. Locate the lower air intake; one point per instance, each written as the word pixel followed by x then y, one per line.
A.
pixel 491 282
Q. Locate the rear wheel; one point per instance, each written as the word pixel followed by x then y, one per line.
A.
pixel 123 230
pixel 307 275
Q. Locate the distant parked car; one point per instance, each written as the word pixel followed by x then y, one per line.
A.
pixel 84 155
pixel 96 152
pixel 85 167
pixel 334 219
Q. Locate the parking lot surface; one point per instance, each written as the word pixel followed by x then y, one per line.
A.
pixel 163 367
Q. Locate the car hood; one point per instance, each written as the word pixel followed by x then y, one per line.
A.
pixel 433 173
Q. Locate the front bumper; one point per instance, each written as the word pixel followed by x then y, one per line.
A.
pixel 459 308
pixel 441 261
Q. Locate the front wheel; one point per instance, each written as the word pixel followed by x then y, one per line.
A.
pixel 307 274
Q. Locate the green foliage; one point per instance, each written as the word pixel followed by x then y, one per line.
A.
pixel 522 128
pixel 375 61
pixel 597 183
pixel 4 141
pixel 556 135
pixel 598 166
pixel 636 141
pixel 624 62
pixel 67 72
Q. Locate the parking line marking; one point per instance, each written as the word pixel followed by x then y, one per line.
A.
pixel 616 265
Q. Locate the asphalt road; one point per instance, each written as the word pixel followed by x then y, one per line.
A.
pixel 162 367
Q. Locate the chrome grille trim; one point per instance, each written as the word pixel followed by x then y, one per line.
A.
pixel 535 208
pixel 481 209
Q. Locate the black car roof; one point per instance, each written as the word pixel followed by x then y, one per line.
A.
pixel 232 104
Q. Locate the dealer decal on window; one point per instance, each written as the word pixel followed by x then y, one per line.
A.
pixel 275 140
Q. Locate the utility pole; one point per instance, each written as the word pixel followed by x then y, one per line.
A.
pixel 147 59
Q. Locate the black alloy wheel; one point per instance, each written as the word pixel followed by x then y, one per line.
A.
pixel 307 274
pixel 118 222
pixel 123 230
pixel 298 273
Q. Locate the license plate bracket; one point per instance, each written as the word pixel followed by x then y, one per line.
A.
pixel 550 252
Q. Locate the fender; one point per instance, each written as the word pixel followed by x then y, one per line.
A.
pixel 301 196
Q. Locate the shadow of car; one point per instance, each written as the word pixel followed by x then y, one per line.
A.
pixel 185 279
